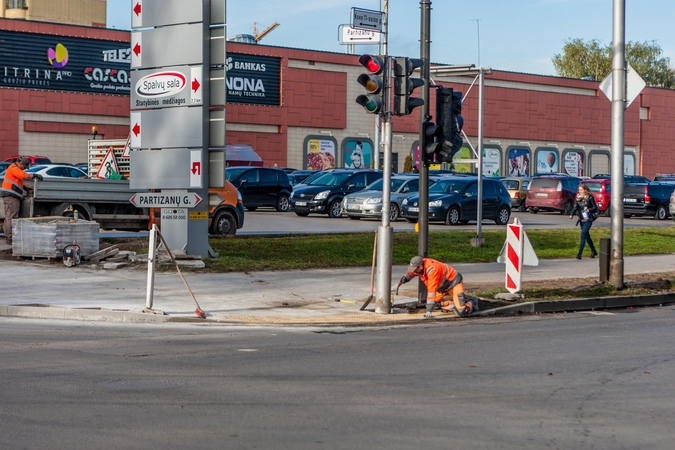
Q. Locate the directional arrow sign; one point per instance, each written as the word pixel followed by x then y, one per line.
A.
pixel 366 19
pixel 172 199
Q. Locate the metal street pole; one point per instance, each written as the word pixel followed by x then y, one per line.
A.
pixel 423 217
pixel 618 108
pixel 479 240
pixel 385 232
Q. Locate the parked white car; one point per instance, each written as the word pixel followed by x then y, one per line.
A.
pixel 57 171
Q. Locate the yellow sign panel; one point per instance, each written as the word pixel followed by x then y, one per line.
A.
pixel 199 215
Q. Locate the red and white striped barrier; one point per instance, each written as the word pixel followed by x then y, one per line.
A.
pixel 517 251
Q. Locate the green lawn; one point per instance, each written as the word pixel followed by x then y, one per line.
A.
pixel 288 252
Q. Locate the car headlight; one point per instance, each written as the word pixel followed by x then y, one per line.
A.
pixel 321 195
pixel 239 197
pixel 374 200
pixel 436 203
pixel 292 194
pixel 405 201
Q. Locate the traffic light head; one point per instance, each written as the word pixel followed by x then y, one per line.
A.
pixel 373 81
pixel 431 140
pixel 404 85
pixel 449 117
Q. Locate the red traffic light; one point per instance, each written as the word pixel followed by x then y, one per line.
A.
pixel 374 63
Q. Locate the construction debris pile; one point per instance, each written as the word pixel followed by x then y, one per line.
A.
pixel 114 258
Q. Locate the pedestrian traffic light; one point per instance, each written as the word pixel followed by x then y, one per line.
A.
pixel 373 81
pixel 431 140
pixel 449 117
pixel 404 85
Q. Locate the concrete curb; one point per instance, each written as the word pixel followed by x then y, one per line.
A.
pixel 42 311
pixel 581 304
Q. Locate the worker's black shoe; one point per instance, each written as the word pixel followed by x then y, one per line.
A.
pixel 9 241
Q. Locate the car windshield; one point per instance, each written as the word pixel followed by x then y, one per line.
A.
pixel 447 186
pixel 312 177
pixel 330 179
pixel 510 184
pixel 542 183
pixel 232 172
pixel 595 187
pixel 377 185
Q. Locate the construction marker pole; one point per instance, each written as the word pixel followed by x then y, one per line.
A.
pixel 152 253
pixel 514 256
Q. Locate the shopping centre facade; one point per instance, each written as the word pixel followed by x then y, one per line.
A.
pixel 297 108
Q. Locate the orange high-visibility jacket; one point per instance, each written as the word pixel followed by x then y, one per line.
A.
pixel 437 275
pixel 12 185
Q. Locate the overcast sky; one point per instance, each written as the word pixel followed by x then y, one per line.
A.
pixel 514 35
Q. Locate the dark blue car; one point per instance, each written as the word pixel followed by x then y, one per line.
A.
pixel 454 200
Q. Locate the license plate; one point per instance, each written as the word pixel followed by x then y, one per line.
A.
pixel 354 207
pixel 630 200
pixel 300 203
pixel 413 209
pixel 542 194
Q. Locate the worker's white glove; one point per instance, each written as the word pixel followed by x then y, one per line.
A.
pixel 427 315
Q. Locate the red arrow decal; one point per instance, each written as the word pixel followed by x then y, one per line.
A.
pixel 195 85
pixel 196 168
pixel 136 129
pixel 137 49
pixel 197 199
pixel 133 199
pixel 137 9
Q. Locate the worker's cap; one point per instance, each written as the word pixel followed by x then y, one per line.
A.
pixel 24 161
pixel 414 262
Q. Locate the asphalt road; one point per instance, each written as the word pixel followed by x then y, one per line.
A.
pixel 572 381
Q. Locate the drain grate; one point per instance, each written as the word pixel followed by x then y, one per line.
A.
pixel 142 385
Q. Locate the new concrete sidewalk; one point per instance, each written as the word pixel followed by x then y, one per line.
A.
pixel 278 297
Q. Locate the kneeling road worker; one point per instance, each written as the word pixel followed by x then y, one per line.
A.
pixel 441 280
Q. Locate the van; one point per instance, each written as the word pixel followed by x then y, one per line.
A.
pixel 552 193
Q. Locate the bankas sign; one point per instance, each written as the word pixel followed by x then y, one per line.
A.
pixel 166 200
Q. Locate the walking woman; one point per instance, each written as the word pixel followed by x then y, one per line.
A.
pixel 586 209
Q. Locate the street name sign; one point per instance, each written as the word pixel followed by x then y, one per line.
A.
pixel 367 19
pixel 357 36
pixel 165 199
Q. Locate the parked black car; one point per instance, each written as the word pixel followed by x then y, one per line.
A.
pixel 454 200
pixel 647 199
pixel 324 194
pixel 261 186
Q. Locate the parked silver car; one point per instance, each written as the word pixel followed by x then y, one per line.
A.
pixel 671 205
pixel 368 202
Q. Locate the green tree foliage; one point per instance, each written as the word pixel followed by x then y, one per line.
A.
pixel 592 59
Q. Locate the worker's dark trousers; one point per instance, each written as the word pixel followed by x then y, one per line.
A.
pixel 12 205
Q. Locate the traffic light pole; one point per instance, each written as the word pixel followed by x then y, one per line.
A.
pixel 385 232
pixel 423 217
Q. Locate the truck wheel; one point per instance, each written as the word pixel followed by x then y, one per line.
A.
pixel 661 213
pixel 283 204
pixel 335 209
pixel 224 224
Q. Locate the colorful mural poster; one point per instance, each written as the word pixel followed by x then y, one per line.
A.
pixel 547 161
pixel 320 154
pixel 519 162
pixel 491 162
pixel 574 163
pixel 357 154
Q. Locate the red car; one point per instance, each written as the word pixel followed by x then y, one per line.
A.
pixel 32 159
pixel 601 191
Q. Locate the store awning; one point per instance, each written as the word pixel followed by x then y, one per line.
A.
pixel 241 155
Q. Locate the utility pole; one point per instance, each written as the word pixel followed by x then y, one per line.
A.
pixel 618 111
pixel 423 217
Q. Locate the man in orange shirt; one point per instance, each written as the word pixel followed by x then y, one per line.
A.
pixel 440 279
pixel 12 192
